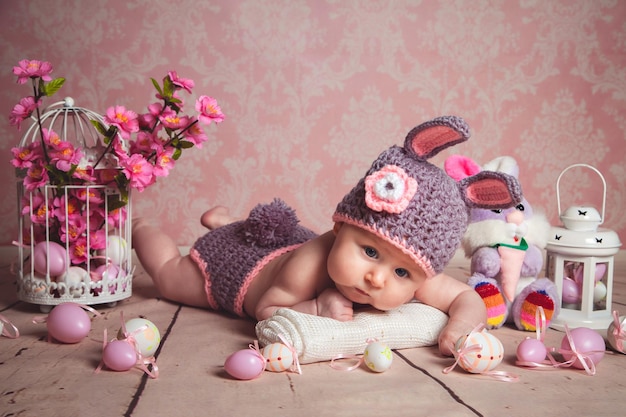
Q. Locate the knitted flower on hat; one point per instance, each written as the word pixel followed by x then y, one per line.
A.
pixel 415 205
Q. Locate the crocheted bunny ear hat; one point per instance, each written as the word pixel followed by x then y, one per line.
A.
pixel 415 205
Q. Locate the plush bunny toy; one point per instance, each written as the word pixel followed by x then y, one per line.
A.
pixel 505 247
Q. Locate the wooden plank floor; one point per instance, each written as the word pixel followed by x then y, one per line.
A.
pixel 38 378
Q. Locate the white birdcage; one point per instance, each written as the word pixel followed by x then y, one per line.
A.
pixel 74 240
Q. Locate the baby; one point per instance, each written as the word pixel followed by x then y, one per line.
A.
pixel 393 234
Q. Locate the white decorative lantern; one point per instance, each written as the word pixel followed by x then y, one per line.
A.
pixel 74 235
pixel 580 262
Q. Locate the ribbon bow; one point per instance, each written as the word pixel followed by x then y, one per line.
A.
pixel 8 329
pixel 619 332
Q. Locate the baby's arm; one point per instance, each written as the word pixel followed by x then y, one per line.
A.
pixel 465 308
pixel 302 283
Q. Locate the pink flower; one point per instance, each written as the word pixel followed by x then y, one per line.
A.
pixel 78 250
pixel 172 120
pixel 32 69
pixel 145 143
pixel 209 110
pixel 75 229
pixel 22 111
pixel 97 239
pixel 185 83
pixel 116 217
pixel 66 208
pixel 36 176
pixel 51 138
pixel 138 171
pixel 25 156
pixel 125 120
pixel 65 156
pixel 390 189
pixel 196 135
pixel 164 163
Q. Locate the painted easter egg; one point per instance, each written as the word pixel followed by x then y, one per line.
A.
pixel 378 357
pixel 115 251
pixel 612 338
pixel 531 350
pixel 278 357
pixel 119 355
pixel 587 342
pixel 245 364
pixel 145 334
pixel 49 255
pixel 487 357
pixel 68 323
pixel 73 279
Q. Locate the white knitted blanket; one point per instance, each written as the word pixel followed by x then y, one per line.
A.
pixel 317 339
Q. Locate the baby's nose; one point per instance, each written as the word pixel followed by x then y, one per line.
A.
pixel 376 278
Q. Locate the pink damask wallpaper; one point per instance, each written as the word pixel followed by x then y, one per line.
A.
pixel 313 90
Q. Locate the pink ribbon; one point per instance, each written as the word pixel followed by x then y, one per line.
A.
pixel 618 332
pixel 8 329
pixel 551 363
pixel 359 359
pixel 257 350
pixel 467 349
pixel 295 365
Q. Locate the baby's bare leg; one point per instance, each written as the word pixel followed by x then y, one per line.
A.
pixel 176 277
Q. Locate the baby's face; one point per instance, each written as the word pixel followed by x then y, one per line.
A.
pixel 368 270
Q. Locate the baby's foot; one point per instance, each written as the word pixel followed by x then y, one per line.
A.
pixel 216 217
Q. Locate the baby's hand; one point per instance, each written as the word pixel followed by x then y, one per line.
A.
pixel 450 334
pixel 330 303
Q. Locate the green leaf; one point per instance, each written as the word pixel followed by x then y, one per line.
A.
pixel 115 202
pixel 157 86
pixel 54 86
pixel 168 88
pixel 177 153
pixel 184 144
pixel 99 127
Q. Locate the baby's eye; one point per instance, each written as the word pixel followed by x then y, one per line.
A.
pixel 402 273
pixel 371 252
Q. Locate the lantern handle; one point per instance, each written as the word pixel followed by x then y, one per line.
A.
pixel 558 196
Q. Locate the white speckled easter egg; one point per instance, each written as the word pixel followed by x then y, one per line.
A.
pixel 487 358
pixel 378 357
pixel 278 356
pixel 115 251
pixel 147 340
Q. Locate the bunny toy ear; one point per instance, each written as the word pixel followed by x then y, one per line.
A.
pixel 430 138
pixel 459 167
pixel 491 190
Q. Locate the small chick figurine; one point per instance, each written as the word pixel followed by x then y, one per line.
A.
pixel 505 247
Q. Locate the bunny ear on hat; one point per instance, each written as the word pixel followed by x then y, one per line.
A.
pixel 430 138
pixel 491 190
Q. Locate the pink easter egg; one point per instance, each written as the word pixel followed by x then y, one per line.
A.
pixel 119 355
pixel 587 342
pixel 245 364
pixel 486 358
pixel 278 356
pixel 571 291
pixel 531 350
pixel 49 255
pixel 68 323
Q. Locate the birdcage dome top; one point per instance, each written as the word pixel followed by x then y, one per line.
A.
pixel 73 124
